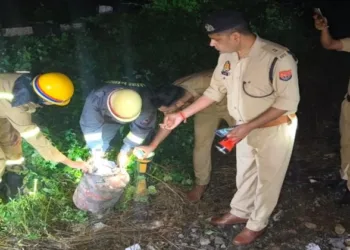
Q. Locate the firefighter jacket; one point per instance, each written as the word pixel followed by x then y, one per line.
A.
pixel 99 127
pixel 17 103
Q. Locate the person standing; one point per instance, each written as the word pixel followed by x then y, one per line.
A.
pixel 260 80
pixel 327 41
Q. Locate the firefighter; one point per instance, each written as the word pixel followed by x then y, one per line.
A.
pixel 177 96
pixel 109 108
pixel 20 96
pixel 329 43
pixel 260 80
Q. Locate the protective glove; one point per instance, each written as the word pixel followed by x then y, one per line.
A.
pixel 123 159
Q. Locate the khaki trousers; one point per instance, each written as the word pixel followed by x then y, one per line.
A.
pixel 205 124
pixel 11 158
pixel 344 127
pixel 262 161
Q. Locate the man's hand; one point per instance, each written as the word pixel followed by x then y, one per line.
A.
pixel 171 121
pixel 84 166
pixel 321 23
pixel 169 109
pixel 240 132
pixel 146 150
pixel 122 159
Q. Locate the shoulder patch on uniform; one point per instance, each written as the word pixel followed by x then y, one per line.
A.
pixel 226 68
pixel 285 75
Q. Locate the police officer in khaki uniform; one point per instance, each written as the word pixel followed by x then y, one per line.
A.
pixel 260 80
pixel 205 124
pixel 344 124
pixel 20 95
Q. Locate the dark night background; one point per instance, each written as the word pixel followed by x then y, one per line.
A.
pixel 24 12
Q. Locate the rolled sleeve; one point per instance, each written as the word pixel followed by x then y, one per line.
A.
pixel 217 90
pixel 346 44
pixel 286 85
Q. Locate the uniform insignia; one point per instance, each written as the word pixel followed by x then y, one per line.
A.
pixel 209 27
pixel 226 68
pixel 285 75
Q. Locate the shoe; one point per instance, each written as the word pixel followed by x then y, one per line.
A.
pixel 345 200
pixel 227 219
pixel 336 184
pixel 196 193
pixel 3 191
pixel 14 183
pixel 246 237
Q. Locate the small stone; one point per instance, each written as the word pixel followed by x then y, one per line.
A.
pixel 312 246
pixel 292 231
pixel 150 247
pixel 209 232
pixel 194 230
pixel 347 242
pixel 219 241
pixel 223 246
pixel 310 225
pixel 337 242
pixel 98 226
pixel 184 244
pixel 339 229
pixel 194 236
pixel 181 236
pixel 278 215
pixel 204 241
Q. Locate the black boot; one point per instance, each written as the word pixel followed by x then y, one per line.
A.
pixel 336 184
pixel 3 191
pixel 345 200
pixel 14 183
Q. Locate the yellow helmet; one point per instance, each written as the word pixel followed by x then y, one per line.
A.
pixel 124 104
pixel 55 88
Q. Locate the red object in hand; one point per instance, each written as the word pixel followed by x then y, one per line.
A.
pixel 226 145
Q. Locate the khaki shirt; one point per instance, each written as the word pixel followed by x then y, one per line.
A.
pixel 243 80
pixel 346 48
pixel 346 44
pixel 21 120
pixel 196 84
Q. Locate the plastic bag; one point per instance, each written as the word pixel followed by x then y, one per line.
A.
pixel 100 189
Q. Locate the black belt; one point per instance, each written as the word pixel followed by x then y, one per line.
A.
pixel 348 97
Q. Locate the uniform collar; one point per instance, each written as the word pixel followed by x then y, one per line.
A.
pixel 256 48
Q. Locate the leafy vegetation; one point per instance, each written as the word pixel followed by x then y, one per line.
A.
pixel 156 46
